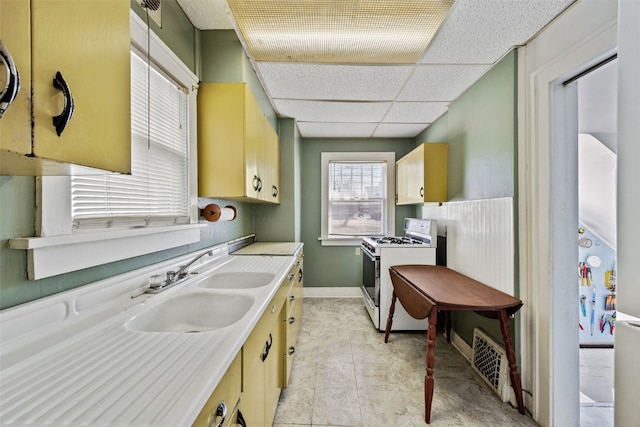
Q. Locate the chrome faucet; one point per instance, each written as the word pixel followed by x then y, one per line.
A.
pixel 175 277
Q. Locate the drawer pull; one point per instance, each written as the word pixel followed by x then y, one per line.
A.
pixel 292 276
pixel 300 275
pixel 221 415
pixel 291 351
pixel 292 320
pixel 292 298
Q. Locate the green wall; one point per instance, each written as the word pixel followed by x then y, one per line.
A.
pixel 481 129
pixel 337 266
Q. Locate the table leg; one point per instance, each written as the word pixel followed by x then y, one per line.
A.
pixel 511 357
pixel 447 325
pixel 431 361
pixel 392 308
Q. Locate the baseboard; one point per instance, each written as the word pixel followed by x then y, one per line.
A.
pixel 461 345
pixel 332 292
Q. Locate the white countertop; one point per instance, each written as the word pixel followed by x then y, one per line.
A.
pixel 270 248
pixel 102 373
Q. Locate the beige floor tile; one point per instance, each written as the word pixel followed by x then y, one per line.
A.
pixel 337 407
pixel 295 406
pixel 335 375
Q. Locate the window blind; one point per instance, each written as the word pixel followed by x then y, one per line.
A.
pixel 357 198
pixel 156 192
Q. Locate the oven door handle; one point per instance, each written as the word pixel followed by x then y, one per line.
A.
pixel 371 256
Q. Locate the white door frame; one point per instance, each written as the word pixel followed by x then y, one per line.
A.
pixel 547 188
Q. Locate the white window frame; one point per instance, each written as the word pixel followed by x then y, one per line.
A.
pixel 58 250
pixel 325 159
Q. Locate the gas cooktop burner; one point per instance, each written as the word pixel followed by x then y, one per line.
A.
pixel 395 240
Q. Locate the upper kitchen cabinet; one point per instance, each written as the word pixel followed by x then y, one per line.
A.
pixel 238 150
pixel 71 114
pixel 421 175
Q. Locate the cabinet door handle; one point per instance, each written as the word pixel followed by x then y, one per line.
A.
pixel 292 320
pixel 274 191
pixel 268 345
pixel 221 415
pixel 60 121
pixel 421 191
pixel 255 182
pixel 240 420
pixel 300 275
pixel 11 88
pixel 259 184
pixel 291 351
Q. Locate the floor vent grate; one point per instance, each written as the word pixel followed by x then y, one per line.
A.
pixel 490 361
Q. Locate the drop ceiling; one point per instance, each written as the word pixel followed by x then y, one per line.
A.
pixel 382 100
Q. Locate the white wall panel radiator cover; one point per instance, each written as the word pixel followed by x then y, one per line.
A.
pixel 480 241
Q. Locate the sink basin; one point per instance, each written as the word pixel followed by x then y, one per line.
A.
pixel 192 312
pixel 237 280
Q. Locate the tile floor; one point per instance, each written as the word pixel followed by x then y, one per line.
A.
pixel 345 375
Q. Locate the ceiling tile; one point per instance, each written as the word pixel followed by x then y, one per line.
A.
pixel 481 32
pixel 331 111
pixel 333 82
pixel 440 82
pixel 399 130
pixel 415 112
pixel 207 14
pixel 336 130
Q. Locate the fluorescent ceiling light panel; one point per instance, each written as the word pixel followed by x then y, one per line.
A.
pixel 338 31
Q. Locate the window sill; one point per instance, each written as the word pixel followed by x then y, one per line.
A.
pixel 50 256
pixel 340 241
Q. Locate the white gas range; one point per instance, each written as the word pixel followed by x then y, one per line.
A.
pixel 417 246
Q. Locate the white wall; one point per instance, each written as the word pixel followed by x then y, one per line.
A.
pixel 627 375
pixel 547 162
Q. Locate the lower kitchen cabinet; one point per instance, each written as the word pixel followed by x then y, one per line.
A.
pixel 221 408
pixel 292 312
pixel 262 364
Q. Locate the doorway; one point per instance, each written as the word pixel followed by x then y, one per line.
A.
pixel 597 167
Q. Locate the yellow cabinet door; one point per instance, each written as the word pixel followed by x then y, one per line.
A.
pixel 410 178
pixel 227 394
pixel 15 34
pixel 273 368
pixel 88 44
pixel 271 164
pixel 252 145
pixel 421 175
pixel 231 145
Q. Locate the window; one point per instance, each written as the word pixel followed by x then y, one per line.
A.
pixel 156 192
pixel 88 221
pixel 357 196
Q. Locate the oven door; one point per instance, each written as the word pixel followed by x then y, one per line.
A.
pixel 371 276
